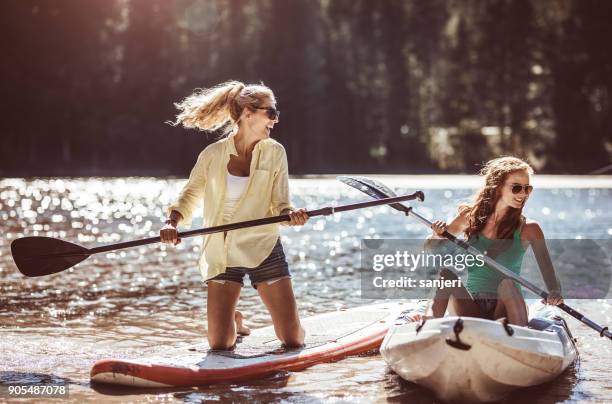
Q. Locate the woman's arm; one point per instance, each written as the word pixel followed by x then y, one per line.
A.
pixel 281 201
pixel 456 226
pixel 168 234
pixel 192 192
pixel 188 199
pixel 533 233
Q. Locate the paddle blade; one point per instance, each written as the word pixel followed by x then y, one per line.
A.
pixel 39 256
pixel 376 189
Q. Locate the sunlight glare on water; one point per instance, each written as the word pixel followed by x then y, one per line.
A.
pixel 138 301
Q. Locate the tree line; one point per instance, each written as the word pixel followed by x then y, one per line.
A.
pixel 389 86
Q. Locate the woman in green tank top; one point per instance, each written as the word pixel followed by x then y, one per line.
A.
pixel 494 224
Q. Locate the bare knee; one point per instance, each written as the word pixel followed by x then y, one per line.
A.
pixel 221 334
pixel 509 293
pixel 292 336
pixel 220 345
pixel 221 342
pixel 511 303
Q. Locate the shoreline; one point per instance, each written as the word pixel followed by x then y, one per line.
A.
pixel 427 181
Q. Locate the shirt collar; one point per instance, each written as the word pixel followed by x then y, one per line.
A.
pixel 232 145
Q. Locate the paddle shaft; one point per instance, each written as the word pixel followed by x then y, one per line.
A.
pixel 252 223
pixel 603 331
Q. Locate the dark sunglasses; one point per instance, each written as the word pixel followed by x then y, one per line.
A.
pixel 271 112
pixel 517 188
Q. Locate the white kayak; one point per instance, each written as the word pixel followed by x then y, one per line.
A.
pixel 478 360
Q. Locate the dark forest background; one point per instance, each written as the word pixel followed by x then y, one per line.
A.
pixel 372 86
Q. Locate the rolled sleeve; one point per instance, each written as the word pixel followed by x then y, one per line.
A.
pixel 281 200
pixel 193 191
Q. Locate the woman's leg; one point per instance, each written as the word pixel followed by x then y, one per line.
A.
pixel 510 303
pixel 221 308
pixel 280 301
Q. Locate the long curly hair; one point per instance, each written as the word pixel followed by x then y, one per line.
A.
pixel 221 106
pixel 495 173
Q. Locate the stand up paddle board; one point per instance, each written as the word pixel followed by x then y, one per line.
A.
pixel 329 337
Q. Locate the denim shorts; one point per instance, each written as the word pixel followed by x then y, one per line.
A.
pixel 273 268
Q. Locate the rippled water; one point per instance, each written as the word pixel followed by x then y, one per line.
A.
pixel 134 302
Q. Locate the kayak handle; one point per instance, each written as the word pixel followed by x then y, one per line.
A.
pixel 457 343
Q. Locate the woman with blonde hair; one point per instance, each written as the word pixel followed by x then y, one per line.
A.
pixel 242 176
pixel 494 224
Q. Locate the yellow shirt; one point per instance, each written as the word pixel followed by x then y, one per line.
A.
pixel 266 194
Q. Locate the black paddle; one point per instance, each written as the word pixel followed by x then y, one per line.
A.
pixel 378 190
pixel 39 256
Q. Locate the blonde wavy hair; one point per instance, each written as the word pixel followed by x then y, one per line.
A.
pixel 221 106
pixel 495 173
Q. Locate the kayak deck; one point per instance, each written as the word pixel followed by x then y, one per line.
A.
pixel 472 359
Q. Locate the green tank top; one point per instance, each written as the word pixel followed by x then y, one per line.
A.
pixel 485 279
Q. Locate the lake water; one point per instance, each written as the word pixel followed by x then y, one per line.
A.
pixel 139 301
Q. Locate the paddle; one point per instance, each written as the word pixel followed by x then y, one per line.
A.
pixel 378 190
pixel 39 256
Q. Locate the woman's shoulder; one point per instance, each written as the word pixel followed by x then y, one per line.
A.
pixel 214 147
pixel 462 217
pixel 272 145
pixel 273 151
pixel 531 229
pixel 205 156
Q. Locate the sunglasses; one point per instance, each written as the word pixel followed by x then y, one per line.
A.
pixel 517 188
pixel 271 112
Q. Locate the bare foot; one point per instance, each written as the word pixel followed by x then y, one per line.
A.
pixel 241 329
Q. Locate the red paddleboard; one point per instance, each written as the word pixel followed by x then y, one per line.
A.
pixel 329 337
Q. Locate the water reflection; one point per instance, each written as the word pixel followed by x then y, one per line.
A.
pixel 139 301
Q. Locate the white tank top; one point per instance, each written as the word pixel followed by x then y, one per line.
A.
pixel 235 188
